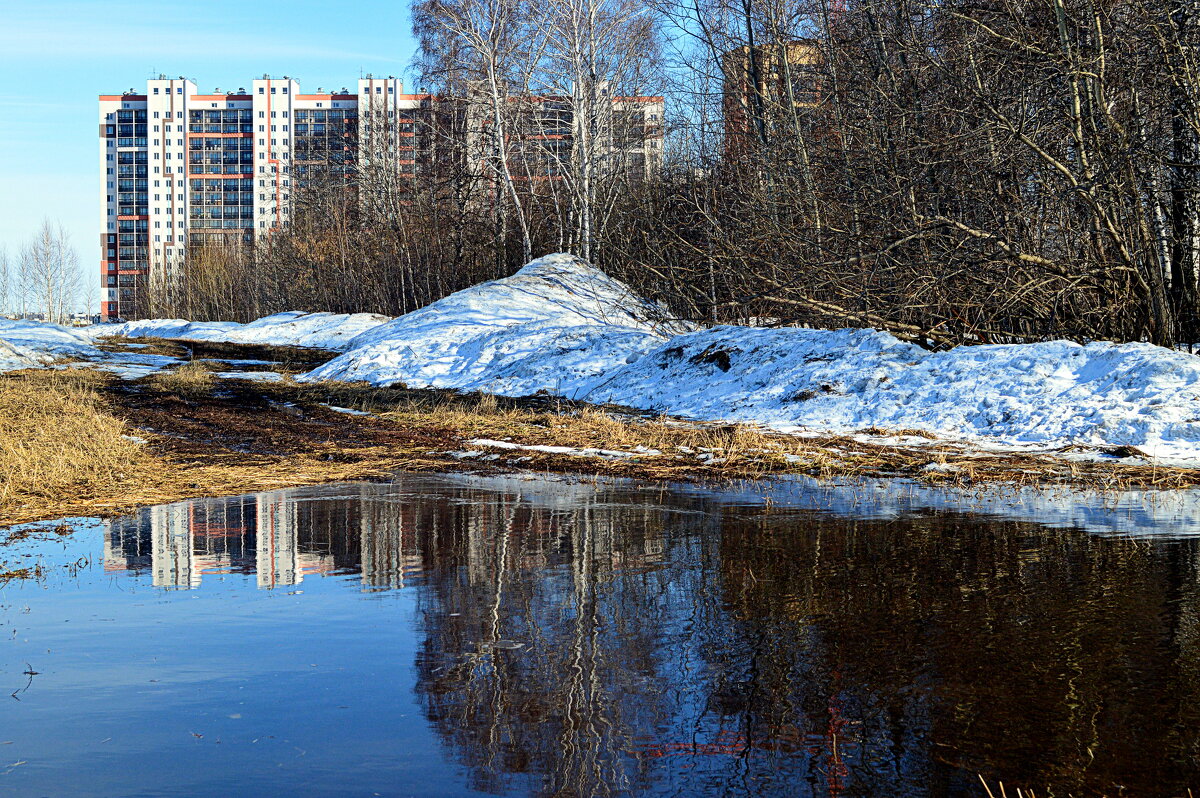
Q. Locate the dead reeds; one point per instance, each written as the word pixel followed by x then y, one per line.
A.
pixel 192 379
pixel 56 440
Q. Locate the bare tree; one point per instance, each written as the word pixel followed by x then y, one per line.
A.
pixel 49 273
pixel 6 282
pixel 483 49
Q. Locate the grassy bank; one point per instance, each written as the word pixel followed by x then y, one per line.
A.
pixel 81 442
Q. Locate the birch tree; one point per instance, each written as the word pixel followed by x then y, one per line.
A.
pixel 482 48
pixel 596 51
pixel 50 273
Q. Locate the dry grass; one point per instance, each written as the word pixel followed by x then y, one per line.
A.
pixel 61 450
pixel 192 379
pixel 57 440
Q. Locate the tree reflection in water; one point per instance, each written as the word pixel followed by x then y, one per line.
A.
pixel 615 639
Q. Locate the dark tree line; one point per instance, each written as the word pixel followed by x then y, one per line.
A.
pixel 952 171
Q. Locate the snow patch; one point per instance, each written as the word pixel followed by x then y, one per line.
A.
pixel 291 328
pixel 1045 394
pixel 49 339
pixel 558 325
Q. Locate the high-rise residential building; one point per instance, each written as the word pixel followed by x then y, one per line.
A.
pixel 179 166
pixel 627 135
pixel 765 88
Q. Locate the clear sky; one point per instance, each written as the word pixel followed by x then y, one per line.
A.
pixel 56 57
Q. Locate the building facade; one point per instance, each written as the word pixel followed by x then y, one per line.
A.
pixel 180 167
pixel 767 88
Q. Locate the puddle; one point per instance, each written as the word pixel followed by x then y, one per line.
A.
pixel 456 635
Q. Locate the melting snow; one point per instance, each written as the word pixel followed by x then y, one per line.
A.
pixel 291 328
pixel 557 325
pixel 562 327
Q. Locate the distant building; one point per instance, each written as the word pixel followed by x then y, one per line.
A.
pixel 763 86
pixel 628 135
pixel 180 167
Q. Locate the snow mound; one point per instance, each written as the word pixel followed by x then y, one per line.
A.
pixel 48 339
pixel 1045 394
pixel 165 328
pixel 290 328
pixel 557 325
pixel 318 330
pixel 13 357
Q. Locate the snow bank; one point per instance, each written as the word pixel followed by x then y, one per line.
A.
pixel 557 325
pixel 1044 394
pixel 48 340
pixel 291 328
pixel 165 328
pixel 13 357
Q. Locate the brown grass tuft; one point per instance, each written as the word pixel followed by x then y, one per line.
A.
pixel 193 379
pixel 55 439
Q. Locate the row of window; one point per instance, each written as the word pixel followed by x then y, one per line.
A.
pixel 226 116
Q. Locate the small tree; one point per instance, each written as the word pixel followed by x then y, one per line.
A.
pixel 49 273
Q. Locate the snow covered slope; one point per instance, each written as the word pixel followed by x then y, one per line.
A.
pixel 558 325
pixel 291 328
pixel 1038 394
pixel 13 357
pixel 49 339
pixel 164 328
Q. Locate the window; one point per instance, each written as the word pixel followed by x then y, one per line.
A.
pixel 179 90
pixel 260 113
pixel 156 117
pixel 156 92
pixel 260 91
pixel 285 89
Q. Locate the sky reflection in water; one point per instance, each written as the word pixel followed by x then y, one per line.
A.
pixel 454 635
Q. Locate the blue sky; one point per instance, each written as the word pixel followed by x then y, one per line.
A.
pixel 56 57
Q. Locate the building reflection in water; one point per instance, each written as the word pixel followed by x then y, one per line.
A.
pixel 582 639
pixel 181 543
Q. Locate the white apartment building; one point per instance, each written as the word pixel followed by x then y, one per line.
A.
pixel 178 165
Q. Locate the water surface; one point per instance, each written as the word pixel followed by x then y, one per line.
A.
pixel 446 635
